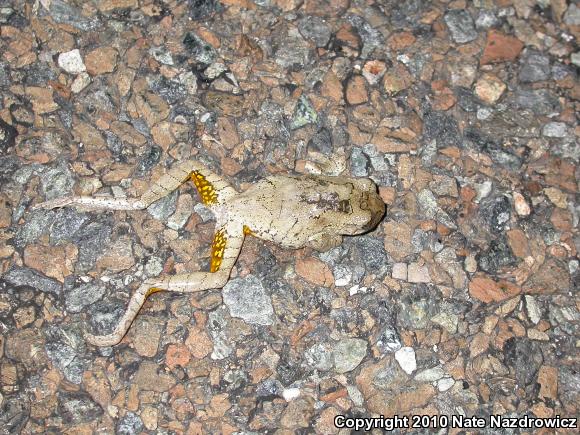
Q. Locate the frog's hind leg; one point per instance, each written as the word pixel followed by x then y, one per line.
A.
pixel 225 249
pixel 212 189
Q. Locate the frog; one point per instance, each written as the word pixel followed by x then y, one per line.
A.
pixel 292 211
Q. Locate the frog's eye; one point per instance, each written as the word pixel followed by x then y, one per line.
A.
pixel 344 206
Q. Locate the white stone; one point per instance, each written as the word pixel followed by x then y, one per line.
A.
pixel 533 309
pixel 400 271
pixel 521 205
pixel 290 394
pixel 445 384
pixel 72 62
pixel 575 58
pixel 342 275
pixel 405 356
pixel 483 190
pixel 80 82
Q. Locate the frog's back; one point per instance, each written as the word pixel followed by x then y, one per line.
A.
pixel 274 209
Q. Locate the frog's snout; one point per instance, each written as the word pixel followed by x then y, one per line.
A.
pixel 376 207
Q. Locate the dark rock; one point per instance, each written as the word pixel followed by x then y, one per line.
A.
pixel 81 296
pixel 315 29
pixel 561 71
pixel 150 159
pixel 415 314
pixel 5 79
pixel 524 357
pixel 345 317
pixel 371 37
pixel 369 251
pixel 64 13
pixel 164 207
pixel 535 67
pixel 97 100
pixel 78 407
pixel 91 241
pixel 247 299
pixel 304 113
pixel 23 276
pixel 14 414
pixel 170 90
pixel 200 9
pixel 569 384
pixel 67 360
pixel 321 142
pixel 288 371
pixel 130 424
pixel 486 19
pixel 35 225
pixel 460 25
pixel 200 50
pixel 65 224
pixel 359 163
pixel 539 101
pixel 497 256
pixel 56 181
pixel 466 100
pixel 115 144
pixel 405 14
pixel 269 388
pixel 389 340
pixel 7 136
pixel 496 212
pixel 499 153
pixel 293 53
pixel 37 75
pixel 442 128
pixel 105 315
pixel 22 114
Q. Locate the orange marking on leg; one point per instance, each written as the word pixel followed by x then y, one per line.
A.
pixel 205 189
pixel 152 290
pixel 217 250
pixel 247 231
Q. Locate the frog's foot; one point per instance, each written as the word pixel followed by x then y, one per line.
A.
pixel 183 283
pixel 212 189
pixel 225 249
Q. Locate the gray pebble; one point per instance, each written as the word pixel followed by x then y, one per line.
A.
pixel 247 299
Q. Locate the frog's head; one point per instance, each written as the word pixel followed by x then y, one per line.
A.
pixel 367 206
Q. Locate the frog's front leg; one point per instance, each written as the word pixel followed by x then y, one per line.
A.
pixel 226 247
pixel 212 189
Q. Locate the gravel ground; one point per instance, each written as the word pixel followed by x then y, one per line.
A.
pixel 462 302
